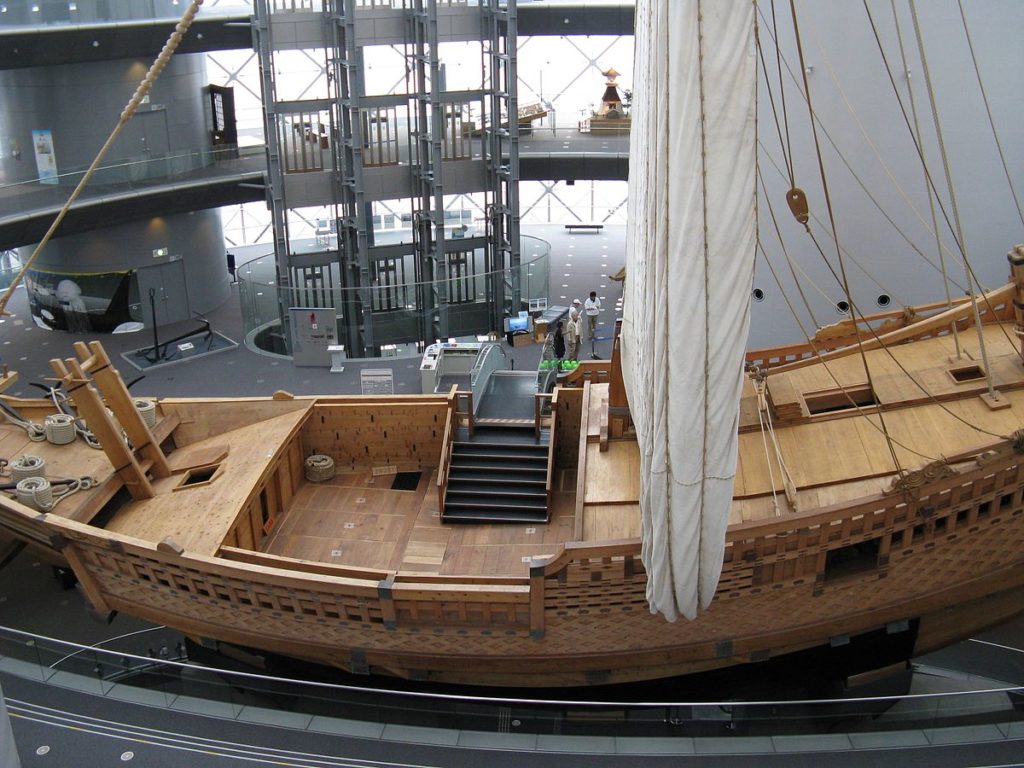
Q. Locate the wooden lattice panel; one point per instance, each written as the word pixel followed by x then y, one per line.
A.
pixel 405 434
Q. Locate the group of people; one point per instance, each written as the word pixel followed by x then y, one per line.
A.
pixel 568 335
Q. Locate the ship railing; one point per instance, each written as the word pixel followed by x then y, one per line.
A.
pixel 161 681
pixel 594 371
pixel 448 444
pixel 911 323
pixel 552 442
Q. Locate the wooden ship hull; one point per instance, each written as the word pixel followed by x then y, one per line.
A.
pixel 220 534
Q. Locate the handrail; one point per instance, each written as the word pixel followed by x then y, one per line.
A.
pixel 596 371
pixel 553 439
pixel 447 444
pixel 538 410
pixel 481 358
pixel 795 356
pixel 117 658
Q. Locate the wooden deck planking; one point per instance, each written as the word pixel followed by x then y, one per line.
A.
pixel 611 521
pixel 400 530
pixel 197 518
pixel 613 476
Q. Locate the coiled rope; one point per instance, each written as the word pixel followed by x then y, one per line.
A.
pixel 319 468
pixel 40 494
pixel 27 466
pixel 60 428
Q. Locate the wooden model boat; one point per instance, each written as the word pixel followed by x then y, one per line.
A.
pixel 878 493
pixel 218 533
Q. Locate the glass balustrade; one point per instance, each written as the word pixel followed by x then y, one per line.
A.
pixel 390 317
pixel 164 677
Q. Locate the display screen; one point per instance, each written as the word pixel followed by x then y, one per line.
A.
pixel 518 324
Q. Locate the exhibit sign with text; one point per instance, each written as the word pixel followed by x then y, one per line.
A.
pixel 46 159
pixel 314 329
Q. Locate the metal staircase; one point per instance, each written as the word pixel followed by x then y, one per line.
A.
pixel 498 475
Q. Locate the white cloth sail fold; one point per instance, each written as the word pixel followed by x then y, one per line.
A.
pixel 690 259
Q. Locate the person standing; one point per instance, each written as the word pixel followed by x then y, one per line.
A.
pixel 558 344
pixel 572 333
pixel 592 308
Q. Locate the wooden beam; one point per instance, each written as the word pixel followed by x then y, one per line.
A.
pixel 87 400
pixel 111 385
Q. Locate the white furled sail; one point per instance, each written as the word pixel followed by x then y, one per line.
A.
pixel 690 261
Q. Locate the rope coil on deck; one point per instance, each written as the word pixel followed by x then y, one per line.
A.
pixel 26 466
pixel 319 468
pixel 147 409
pixel 35 492
pixel 60 428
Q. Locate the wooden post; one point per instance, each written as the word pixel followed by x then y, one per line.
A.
pixel 537 600
pixel 1016 259
pixel 111 385
pixel 87 400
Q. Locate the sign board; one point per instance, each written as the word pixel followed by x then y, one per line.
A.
pixel 377 381
pixel 314 330
pixel 46 160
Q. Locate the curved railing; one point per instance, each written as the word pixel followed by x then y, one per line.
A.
pixel 156 679
pixel 398 312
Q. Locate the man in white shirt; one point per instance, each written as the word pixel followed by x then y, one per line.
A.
pixel 592 308
pixel 573 330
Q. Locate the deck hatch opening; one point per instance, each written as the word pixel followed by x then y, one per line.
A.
pixel 852 560
pixel 198 476
pixel 834 400
pixel 405 481
pixel 964 373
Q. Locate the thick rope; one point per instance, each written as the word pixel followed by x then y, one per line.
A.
pixel 835 232
pixel 867 192
pixel 147 82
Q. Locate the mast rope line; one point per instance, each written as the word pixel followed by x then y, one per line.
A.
pixel 927 189
pixel 707 268
pixel 835 232
pixel 783 143
pixel 859 318
pixel 126 114
pixel 988 111
pixel 952 195
pixel 818 353
pixel 867 192
pixel 920 153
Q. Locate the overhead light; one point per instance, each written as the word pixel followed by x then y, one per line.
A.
pixel 35 9
pixel 72 6
pixel 95 43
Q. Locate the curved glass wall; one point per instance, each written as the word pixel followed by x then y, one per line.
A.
pixel 166 676
pixel 392 317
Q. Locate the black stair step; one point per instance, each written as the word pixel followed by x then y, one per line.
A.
pixel 503 435
pixel 490 502
pixel 524 446
pixel 497 464
pixel 497 476
pixel 496 492
pixel 494 515
pixel 520 454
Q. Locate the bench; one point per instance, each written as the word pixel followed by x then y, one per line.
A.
pixel 585 227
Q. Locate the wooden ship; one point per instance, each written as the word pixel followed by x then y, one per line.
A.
pixel 207 522
pixel 878 498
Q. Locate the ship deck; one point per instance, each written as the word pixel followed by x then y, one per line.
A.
pixel 362 519
pixel 356 519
